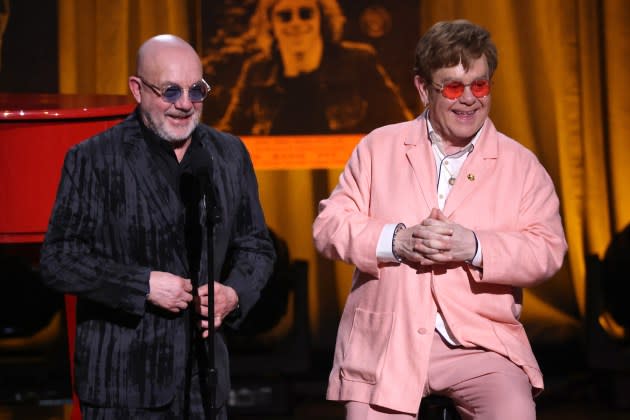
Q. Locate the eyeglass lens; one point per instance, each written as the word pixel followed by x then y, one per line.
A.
pixel 196 92
pixel 480 88
pixel 304 13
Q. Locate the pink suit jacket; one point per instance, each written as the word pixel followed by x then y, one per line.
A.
pixel 502 193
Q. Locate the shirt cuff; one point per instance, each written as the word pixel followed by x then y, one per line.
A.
pixel 476 261
pixel 384 252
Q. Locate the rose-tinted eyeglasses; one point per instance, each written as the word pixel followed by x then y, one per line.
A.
pixel 197 92
pixel 454 89
pixel 304 13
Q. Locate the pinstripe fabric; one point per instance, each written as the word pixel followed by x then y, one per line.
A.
pixel 115 220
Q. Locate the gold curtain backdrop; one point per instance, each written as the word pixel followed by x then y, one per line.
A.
pixel 98 39
pixel 559 90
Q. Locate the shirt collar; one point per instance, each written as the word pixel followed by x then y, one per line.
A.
pixel 436 140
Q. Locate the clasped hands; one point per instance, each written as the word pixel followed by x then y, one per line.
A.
pixel 174 293
pixel 435 240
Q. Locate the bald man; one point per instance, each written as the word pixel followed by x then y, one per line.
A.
pixel 136 208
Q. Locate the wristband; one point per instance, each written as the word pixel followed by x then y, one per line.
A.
pixel 399 227
pixel 470 261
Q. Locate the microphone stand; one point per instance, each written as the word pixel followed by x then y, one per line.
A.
pixel 209 204
pixel 202 168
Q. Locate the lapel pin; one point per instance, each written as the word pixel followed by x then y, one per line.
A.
pixel 471 177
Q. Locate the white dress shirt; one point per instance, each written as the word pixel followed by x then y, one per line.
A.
pixel 447 168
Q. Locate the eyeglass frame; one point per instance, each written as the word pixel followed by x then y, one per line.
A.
pixel 160 91
pixel 440 88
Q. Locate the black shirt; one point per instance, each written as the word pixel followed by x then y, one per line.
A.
pixel 180 178
pixel 165 159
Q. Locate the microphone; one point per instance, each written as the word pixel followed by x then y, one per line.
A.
pixel 201 167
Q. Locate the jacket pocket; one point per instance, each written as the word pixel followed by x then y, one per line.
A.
pixel 369 338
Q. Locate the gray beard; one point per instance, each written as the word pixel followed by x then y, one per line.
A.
pixel 151 125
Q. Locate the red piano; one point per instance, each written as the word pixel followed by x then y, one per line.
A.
pixel 36 130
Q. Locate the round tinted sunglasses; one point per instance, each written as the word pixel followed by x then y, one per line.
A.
pixel 197 92
pixel 304 13
pixel 480 88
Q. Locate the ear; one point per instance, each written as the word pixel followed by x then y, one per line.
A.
pixel 134 87
pixel 422 90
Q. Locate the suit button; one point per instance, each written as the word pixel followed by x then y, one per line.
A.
pixel 422 330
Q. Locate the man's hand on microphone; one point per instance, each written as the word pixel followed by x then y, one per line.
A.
pixel 169 291
pixel 225 301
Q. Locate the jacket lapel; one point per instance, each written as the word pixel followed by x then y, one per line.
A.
pixel 151 184
pixel 477 169
pixel 421 160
